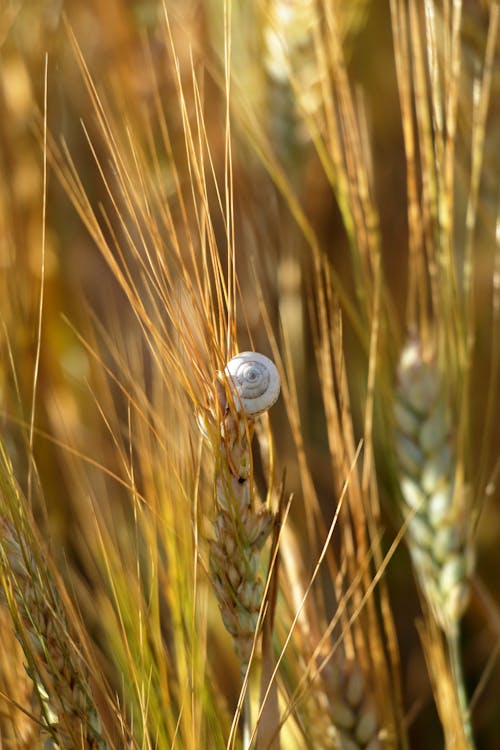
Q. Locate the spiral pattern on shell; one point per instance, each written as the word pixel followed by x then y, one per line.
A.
pixel 254 381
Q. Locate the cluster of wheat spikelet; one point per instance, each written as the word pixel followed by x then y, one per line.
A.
pixel 53 662
pixel 351 708
pixel 339 711
pixel 336 702
pixel 289 49
pixel 240 528
pixel 293 52
pixel 437 511
pixel 435 503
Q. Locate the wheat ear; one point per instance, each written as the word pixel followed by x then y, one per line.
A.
pixel 338 711
pixel 434 503
pixel 53 659
pixel 240 527
pixel 434 499
pixel 290 31
pixel 248 386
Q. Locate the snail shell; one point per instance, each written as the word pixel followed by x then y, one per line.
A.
pixel 254 381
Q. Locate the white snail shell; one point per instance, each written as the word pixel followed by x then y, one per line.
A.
pixel 254 381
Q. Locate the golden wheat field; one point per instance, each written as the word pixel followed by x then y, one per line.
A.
pixel 250 374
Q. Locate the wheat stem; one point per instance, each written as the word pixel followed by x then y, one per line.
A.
pixel 246 717
pixel 453 640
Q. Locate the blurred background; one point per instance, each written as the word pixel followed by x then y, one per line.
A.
pixel 128 54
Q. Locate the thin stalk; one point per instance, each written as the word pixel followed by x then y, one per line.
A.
pixel 453 639
pixel 246 714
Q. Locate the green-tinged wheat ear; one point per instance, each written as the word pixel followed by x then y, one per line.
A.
pixel 289 31
pixel 53 660
pixel 434 502
pixel 296 61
